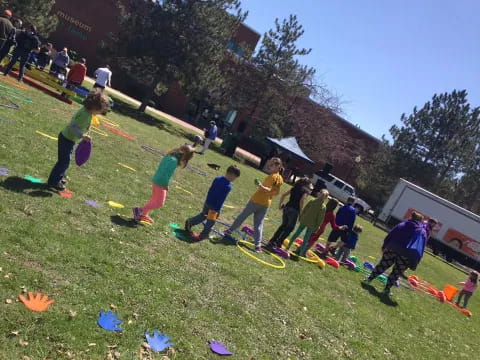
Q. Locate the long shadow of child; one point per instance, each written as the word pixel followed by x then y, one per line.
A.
pixel 23 186
pixel 384 298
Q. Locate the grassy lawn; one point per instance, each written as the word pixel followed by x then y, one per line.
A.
pixel 91 259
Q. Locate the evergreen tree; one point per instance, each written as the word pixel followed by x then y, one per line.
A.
pixel 175 40
pixel 439 135
pixel 36 12
pixel 270 83
pixel 436 147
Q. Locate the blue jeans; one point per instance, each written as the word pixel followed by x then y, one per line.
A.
pixel 259 212
pixel 21 54
pixel 65 149
pixel 197 219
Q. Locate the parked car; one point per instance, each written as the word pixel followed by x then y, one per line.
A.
pixel 362 206
pixel 337 188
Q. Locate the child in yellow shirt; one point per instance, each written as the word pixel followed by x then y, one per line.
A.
pixel 260 202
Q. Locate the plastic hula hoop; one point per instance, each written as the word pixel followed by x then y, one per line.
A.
pixel 100 132
pixel 5 93
pixel 247 243
pixel 14 93
pixel 303 258
pixel 108 121
pixel 242 235
pixel 10 81
pixel 11 104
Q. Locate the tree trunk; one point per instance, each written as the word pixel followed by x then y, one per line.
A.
pixel 150 92
pixel 443 174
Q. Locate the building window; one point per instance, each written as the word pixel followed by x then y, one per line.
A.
pixel 230 118
pixel 235 48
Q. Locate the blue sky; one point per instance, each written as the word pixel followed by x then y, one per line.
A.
pixel 384 56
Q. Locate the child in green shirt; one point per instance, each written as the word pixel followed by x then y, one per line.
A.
pixel 310 220
pixel 95 103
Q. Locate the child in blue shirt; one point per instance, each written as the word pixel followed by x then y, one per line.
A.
pixel 218 192
pixel 345 247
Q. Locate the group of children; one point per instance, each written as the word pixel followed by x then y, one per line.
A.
pixel 313 218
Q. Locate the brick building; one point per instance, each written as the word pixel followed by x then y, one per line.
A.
pixel 82 25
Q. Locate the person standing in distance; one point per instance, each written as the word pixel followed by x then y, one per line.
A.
pixel 11 40
pixel 103 77
pixel 6 27
pixel 27 41
pixel 210 135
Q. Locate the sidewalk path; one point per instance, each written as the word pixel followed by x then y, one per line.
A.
pixel 239 152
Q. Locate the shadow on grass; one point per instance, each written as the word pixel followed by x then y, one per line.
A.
pixel 384 299
pixel 123 108
pixel 21 185
pixel 184 236
pixel 221 241
pixel 120 221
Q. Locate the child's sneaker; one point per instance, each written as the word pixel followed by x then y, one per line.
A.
pixel 147 219
pixel 58 187
pixel 199 237
pixel 137 213
pixel 258 249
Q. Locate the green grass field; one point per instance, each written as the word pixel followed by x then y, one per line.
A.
pixel 91 259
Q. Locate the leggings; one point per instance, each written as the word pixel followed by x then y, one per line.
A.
pixel 467 295
pixel 289 219
pixel 342 254
pixel 159 195
pixel 308 233
pixel 389 258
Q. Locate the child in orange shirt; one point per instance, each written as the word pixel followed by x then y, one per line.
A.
pixel 260 202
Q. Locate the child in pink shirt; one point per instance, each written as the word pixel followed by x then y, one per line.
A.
pixel 469 287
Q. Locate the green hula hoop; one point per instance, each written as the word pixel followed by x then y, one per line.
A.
pixel 249 244
pixel 10 92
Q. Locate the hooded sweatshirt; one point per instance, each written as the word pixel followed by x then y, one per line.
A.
pixel 400 238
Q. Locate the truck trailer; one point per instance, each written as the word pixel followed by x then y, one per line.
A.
pixel 457 234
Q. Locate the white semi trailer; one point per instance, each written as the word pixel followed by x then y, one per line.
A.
pixel 457 235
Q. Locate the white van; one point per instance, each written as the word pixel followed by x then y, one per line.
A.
pixel 337 188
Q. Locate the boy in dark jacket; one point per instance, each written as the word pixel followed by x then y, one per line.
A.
pixel 346 215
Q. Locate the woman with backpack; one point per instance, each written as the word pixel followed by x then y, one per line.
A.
pixel 402 248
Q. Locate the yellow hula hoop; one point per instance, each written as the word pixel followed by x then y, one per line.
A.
pixel 304 258
pixel 100 132
pixel 127 167
pixel 247 243
pixel 108 121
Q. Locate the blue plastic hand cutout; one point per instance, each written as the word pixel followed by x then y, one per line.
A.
pixel 108 321
pixel 158 342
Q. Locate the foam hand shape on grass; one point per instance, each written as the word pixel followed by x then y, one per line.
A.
pixel 108 321
pixel 158 342
pixel 219 348
pixel 37 303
